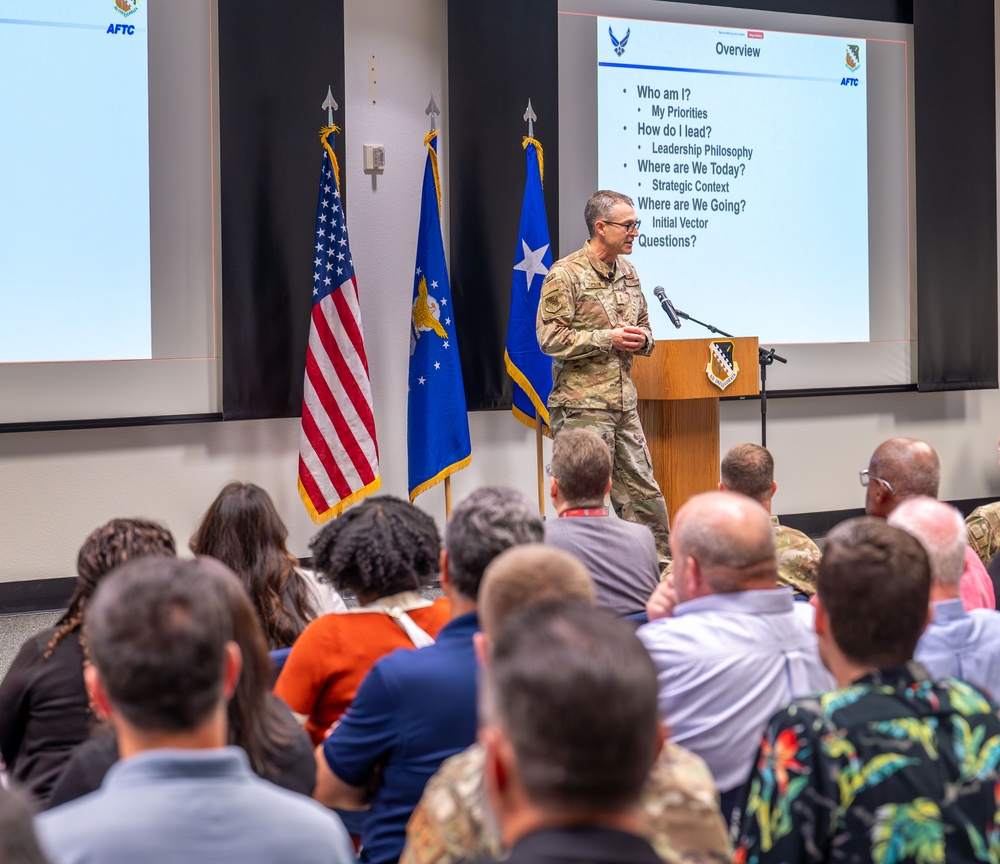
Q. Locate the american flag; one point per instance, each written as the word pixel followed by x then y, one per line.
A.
pixel 338 453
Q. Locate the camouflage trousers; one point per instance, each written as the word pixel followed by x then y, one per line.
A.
pixel 635 494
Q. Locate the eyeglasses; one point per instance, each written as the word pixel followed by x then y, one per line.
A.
pixel 549 471
pixel 867 478
pixel 628 226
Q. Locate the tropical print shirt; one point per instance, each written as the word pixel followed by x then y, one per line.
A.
pixel 895 768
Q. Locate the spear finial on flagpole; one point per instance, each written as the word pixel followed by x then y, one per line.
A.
pixel 331 105
pixel 531 117
pixel 432 111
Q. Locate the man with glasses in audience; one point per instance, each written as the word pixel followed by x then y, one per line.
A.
pixel 903 468
pixel 592 320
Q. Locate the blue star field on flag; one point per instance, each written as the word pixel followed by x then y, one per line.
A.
pixel 526 364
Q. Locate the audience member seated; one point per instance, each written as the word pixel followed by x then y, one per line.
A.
pixel 18 842
pixel 243 530
pixel 984 537
pixel 956 643
pixel 735 647
pixel 44 711
pixel 680 814
pixel 620 555
pixel 382 550
pixel 903 468
pixel 749 470
pixel 894 766
pixel 417 708
pixel 277 747
pixel 164 665
pixel 570 732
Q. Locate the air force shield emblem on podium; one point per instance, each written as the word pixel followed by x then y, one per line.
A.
pixel 722 369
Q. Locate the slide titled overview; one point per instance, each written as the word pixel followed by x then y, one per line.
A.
pixel 746 153
pixel 74 181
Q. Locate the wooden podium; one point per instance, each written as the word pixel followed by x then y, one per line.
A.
pixel 679 410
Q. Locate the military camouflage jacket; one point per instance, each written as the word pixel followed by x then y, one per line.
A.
pixel 984 531
pixel 583 300
pixel 798 558
pixel 680 813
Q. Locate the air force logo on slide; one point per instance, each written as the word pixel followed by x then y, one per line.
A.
pixel 722 369
pixel 620 43
pixel 127 7
pixel 853 58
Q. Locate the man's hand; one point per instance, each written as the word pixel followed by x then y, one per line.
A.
pixel 628 338
pixel 662 601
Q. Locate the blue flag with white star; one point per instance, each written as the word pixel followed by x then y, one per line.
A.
pixel 526 364
pixel 438 424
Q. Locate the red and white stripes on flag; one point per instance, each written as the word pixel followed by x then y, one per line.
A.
pixel 338 452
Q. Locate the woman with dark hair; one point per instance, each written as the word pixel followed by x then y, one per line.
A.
pixel 258 722
pixel 382 550
pixel 44 709
pixel 242 529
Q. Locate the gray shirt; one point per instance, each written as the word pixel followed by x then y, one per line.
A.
pixel 183 806
pixel 620 555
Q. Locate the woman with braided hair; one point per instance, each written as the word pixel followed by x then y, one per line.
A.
pixel 44 709
pixel 383 551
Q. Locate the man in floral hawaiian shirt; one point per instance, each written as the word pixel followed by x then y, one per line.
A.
pixel 893 767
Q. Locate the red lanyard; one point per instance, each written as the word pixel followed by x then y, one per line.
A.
pixel 585 511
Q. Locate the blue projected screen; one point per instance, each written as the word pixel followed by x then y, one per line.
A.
pixel 770 159
pixel 746 153
pixel 75 220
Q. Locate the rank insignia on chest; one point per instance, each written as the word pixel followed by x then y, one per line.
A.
pixel 722 369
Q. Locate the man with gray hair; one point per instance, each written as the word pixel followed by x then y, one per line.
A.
pixel 903 468
pixel 592 321
pixel 620 555
pixel 956 643
pixel 417 708
pixel 730 647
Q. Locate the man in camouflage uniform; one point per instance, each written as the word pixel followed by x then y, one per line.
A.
pixel 453 822
pixel 984 530
pixel 591 320
pixel 749 470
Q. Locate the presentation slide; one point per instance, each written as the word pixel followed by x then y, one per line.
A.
pixel 75 223
pixel 108 266
pixel 770 158
pixel 746 153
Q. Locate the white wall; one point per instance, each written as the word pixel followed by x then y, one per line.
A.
pixel 56 486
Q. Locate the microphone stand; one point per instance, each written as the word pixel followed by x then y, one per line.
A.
pixel 765 357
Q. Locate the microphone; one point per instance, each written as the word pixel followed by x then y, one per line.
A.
pixel 668 307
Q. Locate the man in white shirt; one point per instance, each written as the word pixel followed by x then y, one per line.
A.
pixel 957 643
pixel 730 647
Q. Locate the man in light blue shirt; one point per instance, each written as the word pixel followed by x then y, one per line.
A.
pixel 730 647
pixel 164 665
pixel 956 643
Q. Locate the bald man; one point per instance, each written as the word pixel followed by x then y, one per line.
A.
pixel 904 468
pixel 735 647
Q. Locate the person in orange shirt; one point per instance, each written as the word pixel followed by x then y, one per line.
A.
pixel 383 551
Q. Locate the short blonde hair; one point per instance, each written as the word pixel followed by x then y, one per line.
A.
pixel 527 574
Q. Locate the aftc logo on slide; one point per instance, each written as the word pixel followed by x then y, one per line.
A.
pixel 853 58
pixel 127 7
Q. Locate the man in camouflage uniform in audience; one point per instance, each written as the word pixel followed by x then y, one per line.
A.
pixel 984 530
pixel 592 320
pixel 749 470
